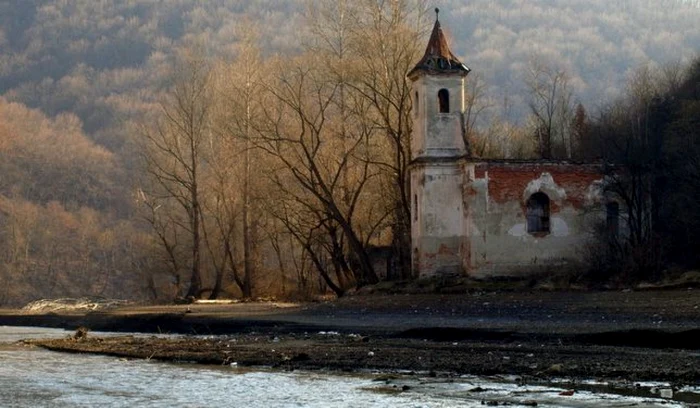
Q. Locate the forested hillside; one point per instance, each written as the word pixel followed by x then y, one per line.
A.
pixel 598 43
pixel 86 84
pixel 106 60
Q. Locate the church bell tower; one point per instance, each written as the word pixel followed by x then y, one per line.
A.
pixel 438 240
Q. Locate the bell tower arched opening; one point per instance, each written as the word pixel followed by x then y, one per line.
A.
pixel 443 101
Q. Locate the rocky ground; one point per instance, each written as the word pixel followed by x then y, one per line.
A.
pixel 535 335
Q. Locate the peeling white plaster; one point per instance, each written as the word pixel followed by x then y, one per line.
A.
pixel 545 183
pixel 559 227
pixel 594 193
pixel 481 186
pixel 472 229
pixel 518 230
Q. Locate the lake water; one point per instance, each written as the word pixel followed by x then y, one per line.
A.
pixel 32 377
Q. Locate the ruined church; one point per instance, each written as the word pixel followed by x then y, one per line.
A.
pixel 486 218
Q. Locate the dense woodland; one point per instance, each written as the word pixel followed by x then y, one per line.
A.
pixel 161 150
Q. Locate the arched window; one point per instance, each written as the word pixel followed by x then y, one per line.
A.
pixel 538 213
pixel 612 217
pixel 444 100
pixel 416 106
pixel 415 207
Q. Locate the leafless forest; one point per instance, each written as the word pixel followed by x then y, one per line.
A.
pixel 150 150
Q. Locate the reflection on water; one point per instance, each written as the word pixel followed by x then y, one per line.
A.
pixel 39 378
pixel 13 334
pixel 31 377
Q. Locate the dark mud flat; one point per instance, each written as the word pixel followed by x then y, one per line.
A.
pixel 353 352
pixel 628 336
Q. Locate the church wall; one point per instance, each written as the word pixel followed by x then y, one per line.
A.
pixel 489 217
pixel 495 197
pixel 437 223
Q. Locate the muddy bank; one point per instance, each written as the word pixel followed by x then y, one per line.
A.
pixel 532 361
pixel 632 336
pixel 513 311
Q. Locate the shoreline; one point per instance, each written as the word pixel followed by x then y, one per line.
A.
pixel 335 352
pixel 610 336
pixel 555 385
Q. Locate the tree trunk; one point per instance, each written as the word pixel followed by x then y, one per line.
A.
pixel 196 277
pixel 247 236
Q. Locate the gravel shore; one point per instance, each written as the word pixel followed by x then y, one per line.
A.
pixel 621 336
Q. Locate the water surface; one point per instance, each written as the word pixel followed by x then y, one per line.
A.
pixel 32 377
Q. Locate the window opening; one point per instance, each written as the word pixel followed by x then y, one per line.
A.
pixel 538 213
pixel 612 218
pixel 416 106
pixel 415 207
pixel 444 100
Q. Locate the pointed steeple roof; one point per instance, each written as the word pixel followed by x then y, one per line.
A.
pixel 438 59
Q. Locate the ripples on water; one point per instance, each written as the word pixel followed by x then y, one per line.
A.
pixel 35 378
pixel 31 377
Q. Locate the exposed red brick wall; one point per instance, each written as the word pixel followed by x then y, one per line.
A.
pixel 507 181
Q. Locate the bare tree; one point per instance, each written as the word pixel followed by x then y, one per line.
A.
pixel 307 232
pixel 550 107
pixel 580 133
pixel 387 42
pixel 301 133
pixel 630 138
pixel 478 141
pixel 239 87
pixel 174 151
